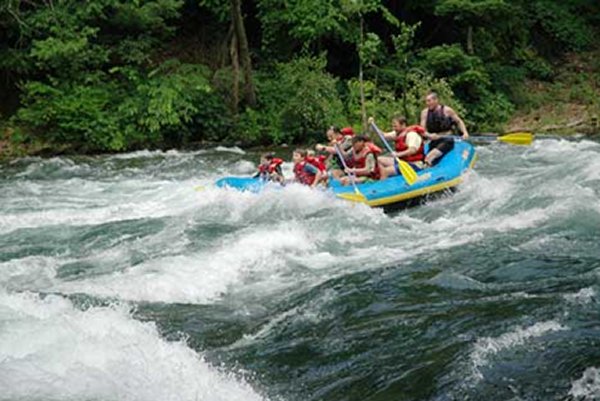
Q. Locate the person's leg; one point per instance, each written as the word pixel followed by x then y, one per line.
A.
pixel 390 170
pixel 385 161
pixel 432 156
pixel 385 172
pixel 337 174
pixel 438 149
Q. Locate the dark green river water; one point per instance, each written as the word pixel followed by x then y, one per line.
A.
pixel 118 281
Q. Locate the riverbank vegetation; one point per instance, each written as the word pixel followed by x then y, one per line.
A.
pixel 116 75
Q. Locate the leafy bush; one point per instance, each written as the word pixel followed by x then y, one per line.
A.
pixel 565 27
pixel 296 103
pixel 128 109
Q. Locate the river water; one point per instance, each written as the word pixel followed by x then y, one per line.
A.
pixel 119 281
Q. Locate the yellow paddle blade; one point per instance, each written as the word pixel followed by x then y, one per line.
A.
pixel 353 197
pixel 517 138
pixel 407 172
pixel 199 188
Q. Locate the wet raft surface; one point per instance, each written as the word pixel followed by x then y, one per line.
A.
pixel 118 281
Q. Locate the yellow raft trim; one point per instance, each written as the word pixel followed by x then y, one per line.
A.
pixel 408 195
pixel 416 193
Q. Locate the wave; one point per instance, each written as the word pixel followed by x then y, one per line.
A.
pixel 587 388
pixel 486 347
pixel 51 350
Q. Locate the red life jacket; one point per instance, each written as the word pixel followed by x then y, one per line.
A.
pixel 318 162
pixel 272 167
pixel 360 160
pixel 302 176
pixel 401 145
pixel 374 148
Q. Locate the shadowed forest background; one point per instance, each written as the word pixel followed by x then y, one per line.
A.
pixel 116 75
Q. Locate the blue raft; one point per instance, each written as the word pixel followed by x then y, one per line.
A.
pixel 447 174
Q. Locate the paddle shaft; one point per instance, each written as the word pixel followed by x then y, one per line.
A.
pixel 382 137
pixel 520 138
pixel 351 175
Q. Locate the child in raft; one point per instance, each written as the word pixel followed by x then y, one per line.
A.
pixel 308 170
pixel 269 168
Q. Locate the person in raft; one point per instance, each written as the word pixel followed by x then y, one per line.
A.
pixel 269 168
pixel 362 166
pixel 409 146
pixel 440 122
pixel 305 169
pixel 342 138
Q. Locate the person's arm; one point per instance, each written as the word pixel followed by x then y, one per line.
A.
pixel 318 178
pixel 390 136
pixel 461 124
pixel 424 118
pixel 309 168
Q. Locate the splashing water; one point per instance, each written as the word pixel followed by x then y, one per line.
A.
pixel 119 281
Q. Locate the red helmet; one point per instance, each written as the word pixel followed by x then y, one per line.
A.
pixel 347 131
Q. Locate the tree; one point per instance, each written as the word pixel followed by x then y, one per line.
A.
pixel 241 40
pixel 471 13
pixel 368 44
pixel 239 51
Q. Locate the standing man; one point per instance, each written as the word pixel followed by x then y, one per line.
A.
pixel 440 122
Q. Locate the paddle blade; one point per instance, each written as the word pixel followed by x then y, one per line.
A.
pixel 407 172
pixel 517 138
pixel 199 188
pixel 353 197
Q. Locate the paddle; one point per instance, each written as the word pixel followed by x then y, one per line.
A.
pixel 406 170
pixel 514 138
pixel 358 197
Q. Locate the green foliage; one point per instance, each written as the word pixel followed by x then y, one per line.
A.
pixel 82 113
pixel 472 11
pixel 564 27
pixel 297 101
pixel 108 75
pixel 466 74
pixel 126 109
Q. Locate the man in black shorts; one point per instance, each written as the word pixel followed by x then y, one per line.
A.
pixel 440 122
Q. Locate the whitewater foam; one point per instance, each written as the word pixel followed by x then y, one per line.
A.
pixel 582 297
pixel 234 149
pixel 51 350
pixel 486 347
pixel 202 277
pixel 587 388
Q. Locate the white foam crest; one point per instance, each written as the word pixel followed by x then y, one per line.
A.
pixel 486 347
pixel 50 350
pixel 583 296
pixel 587 388
pixel 29 273
pixel 243 167
pixel 291 201
pixel 233 149
pixel 201 277
pixel 591 169
pixel 141 154
pixel 75 205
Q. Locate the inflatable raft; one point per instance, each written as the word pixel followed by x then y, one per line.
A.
pixel 394 191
